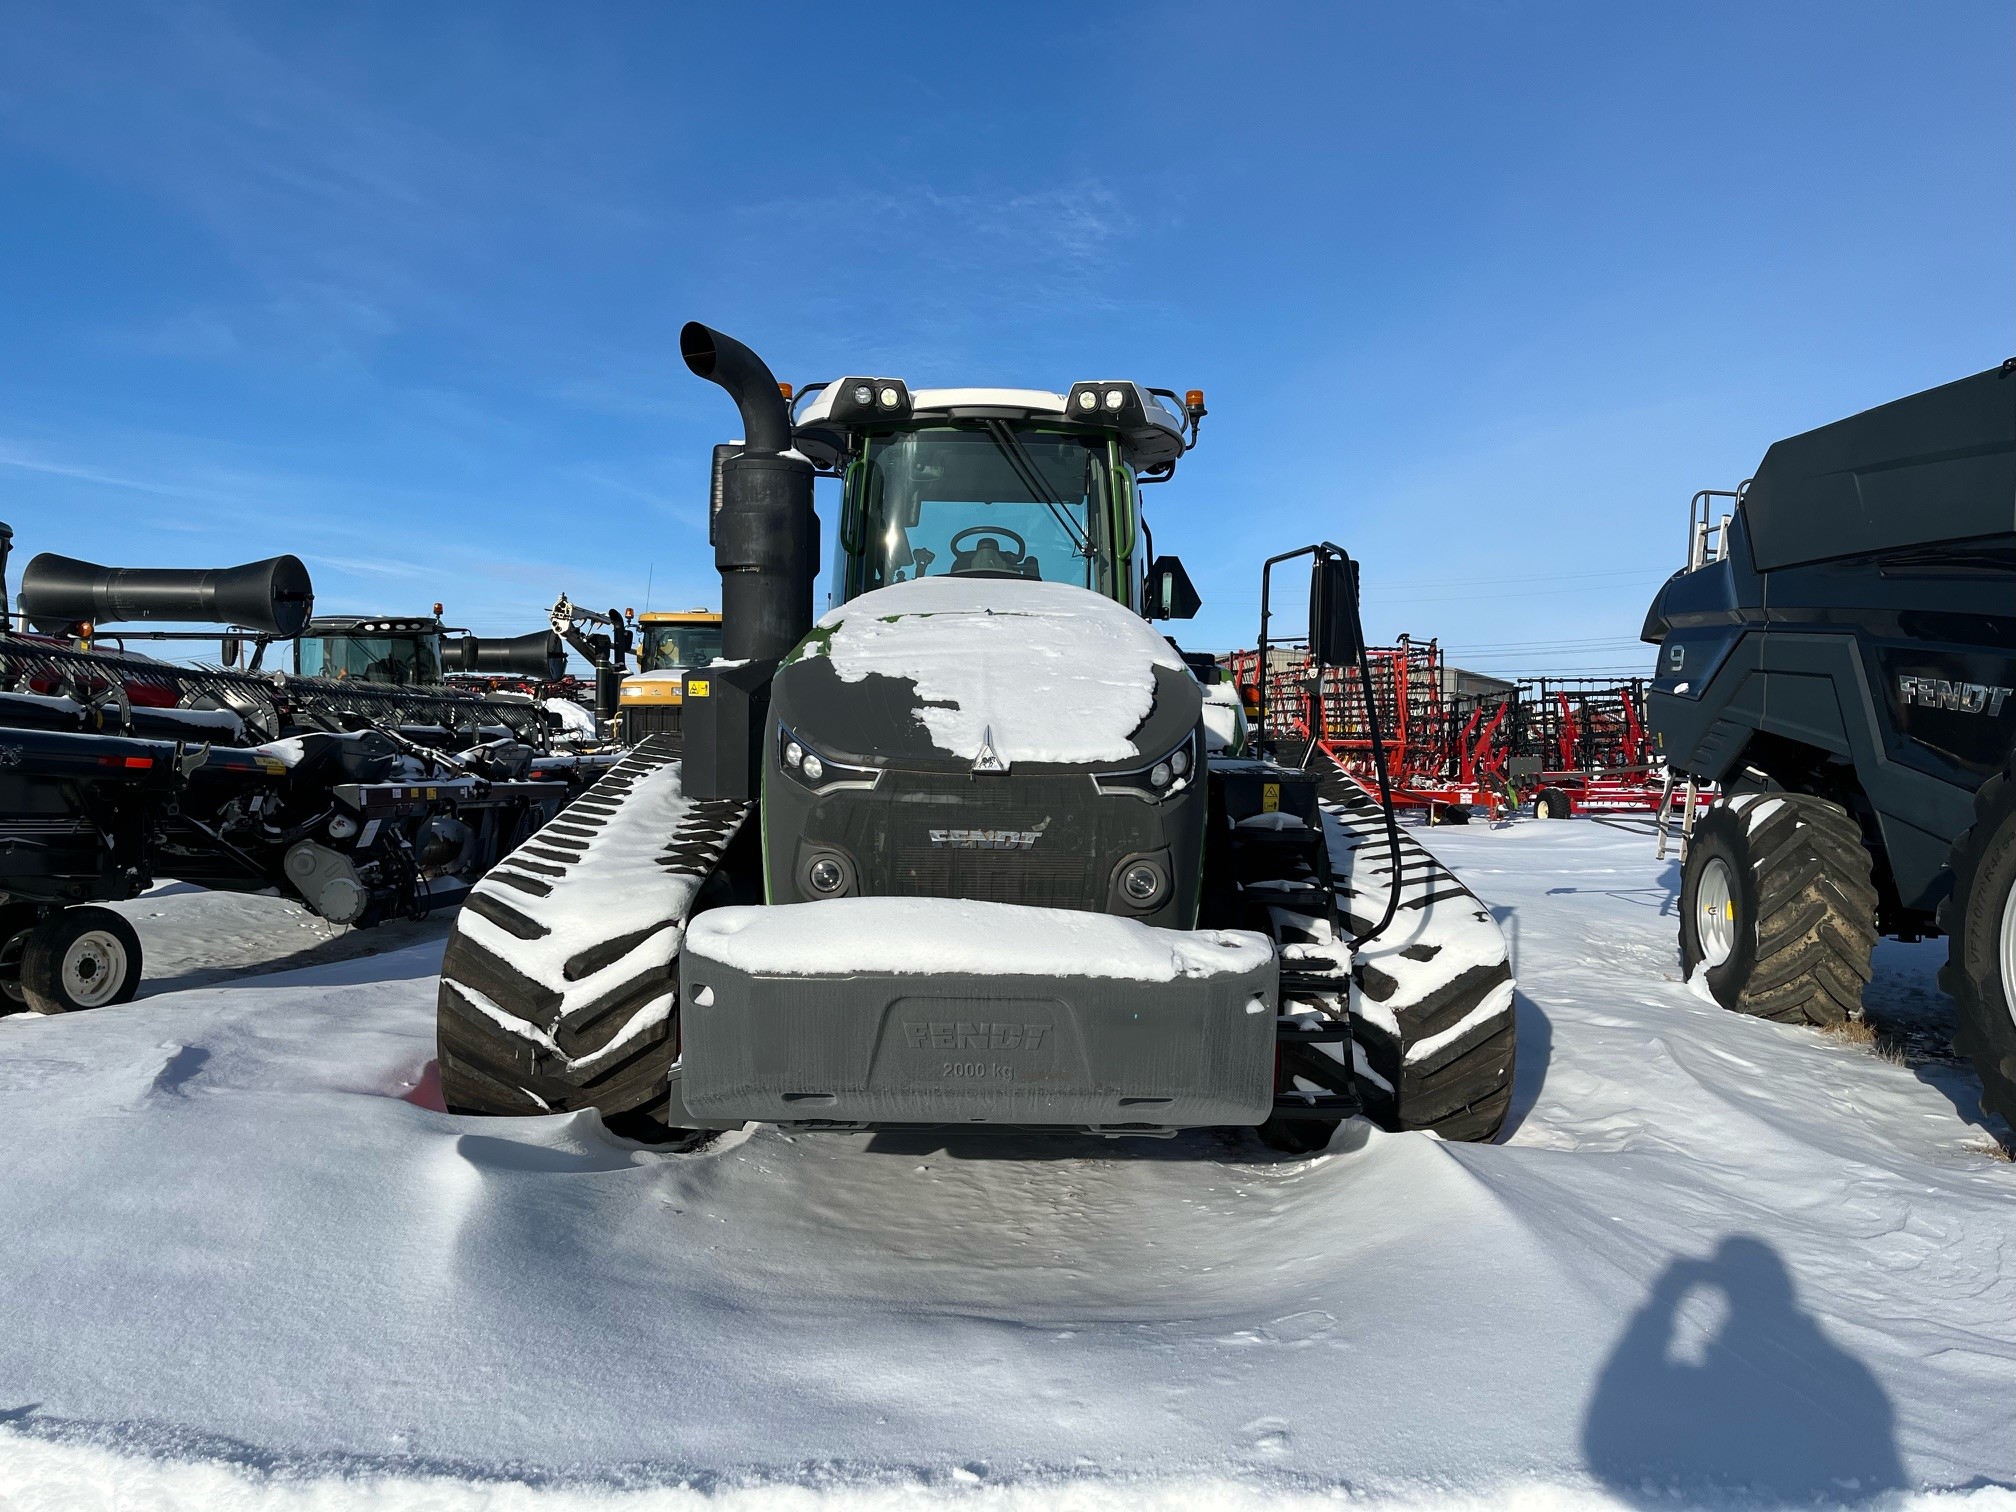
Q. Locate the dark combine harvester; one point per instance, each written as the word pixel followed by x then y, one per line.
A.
pixel 1840 656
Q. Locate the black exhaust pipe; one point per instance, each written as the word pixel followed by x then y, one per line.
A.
pixel 273 597
pixel 766 418
pixel 766 539
pixel 766 545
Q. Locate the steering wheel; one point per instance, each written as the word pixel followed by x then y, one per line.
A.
pixel 986 554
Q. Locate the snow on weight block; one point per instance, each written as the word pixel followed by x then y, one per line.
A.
pixel 928 1010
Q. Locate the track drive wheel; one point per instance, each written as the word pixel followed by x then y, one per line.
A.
pixel 79 958
pixel 1552 803
pixel 1980 923
pixel 1777 908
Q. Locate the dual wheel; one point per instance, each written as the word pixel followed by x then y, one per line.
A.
pixel 1778 919
pixel 66 960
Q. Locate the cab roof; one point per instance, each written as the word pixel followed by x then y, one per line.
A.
pixel 1151 434
pixel 372 624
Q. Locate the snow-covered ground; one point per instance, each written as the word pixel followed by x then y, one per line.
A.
pixel 245 1265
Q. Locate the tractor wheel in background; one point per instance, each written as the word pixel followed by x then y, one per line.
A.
pixel 1980 923
pixel 1777 909
pixel 1552 803
pixel 17 922
pixel 80 958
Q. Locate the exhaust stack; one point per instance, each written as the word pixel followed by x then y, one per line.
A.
pixel 766 546
pixel 766 538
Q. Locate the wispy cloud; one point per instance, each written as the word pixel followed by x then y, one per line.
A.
pixel 372 566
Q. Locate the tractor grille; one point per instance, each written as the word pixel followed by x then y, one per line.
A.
pixel 642 722
pixel 966 837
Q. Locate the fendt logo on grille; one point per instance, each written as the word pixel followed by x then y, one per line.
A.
pixel 1962 697
pixel 951 1036
pixel 986 839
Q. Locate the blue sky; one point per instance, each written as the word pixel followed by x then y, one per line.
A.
pixel 1482 292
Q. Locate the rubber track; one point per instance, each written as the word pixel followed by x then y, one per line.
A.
pixel 544 1059
pixel 1460 1089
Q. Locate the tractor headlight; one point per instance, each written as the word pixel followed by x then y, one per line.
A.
pixel 1159 779
pixel 822 774
pixel 860 398
pixel 1108 402
pixel 1141 882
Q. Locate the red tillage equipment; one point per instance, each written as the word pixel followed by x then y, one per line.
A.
pixel 1444 754
pixel 1575 745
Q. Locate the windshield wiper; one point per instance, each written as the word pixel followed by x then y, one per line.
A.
pixel 1032 478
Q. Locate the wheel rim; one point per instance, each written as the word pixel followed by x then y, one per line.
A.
pixel 1715 912
pixel 94 968
pixel 2008 953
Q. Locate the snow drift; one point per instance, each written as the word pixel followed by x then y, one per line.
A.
pixel 1716 1259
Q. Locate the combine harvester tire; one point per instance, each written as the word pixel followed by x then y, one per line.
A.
pixel 560 985
pixel 1777 909
pixel 1980 923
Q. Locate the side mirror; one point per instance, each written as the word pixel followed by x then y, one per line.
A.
pixel 1333 612
pixel 1171 595
pixel 228 648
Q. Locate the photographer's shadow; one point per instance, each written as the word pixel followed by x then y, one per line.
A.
pixel 1721 1385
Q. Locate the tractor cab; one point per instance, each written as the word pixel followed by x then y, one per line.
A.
pixel 670 643
pixel 1014 484
pixel 402 651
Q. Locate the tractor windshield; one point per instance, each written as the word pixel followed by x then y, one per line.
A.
pixel 992 500
pixel 669 646
pixel 371 658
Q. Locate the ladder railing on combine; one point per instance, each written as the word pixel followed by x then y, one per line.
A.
pixel 1708 537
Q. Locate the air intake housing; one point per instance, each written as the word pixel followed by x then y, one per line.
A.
pixel 273 597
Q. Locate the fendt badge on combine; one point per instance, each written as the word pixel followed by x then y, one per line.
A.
pixel 1962 697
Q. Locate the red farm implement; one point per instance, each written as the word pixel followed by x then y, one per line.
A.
pixel 1571 745
pixel 1583 748
pixel 1445 755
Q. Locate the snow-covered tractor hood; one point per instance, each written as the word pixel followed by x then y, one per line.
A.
pixel 941 669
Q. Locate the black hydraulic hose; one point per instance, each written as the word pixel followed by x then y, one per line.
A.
pixel 1379 766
